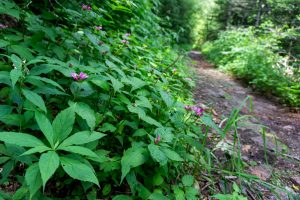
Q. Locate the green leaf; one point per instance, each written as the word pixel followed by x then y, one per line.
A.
pixel 17 62
pixel 157 179
pixel 179 194
pixel 79 150
pixel 87 113
pixel 172 155
pixel 20 139
pixel 46 80
pixel 45 127
pixel 20 193
pixel 117 85
pixel 188 180
pixel 15 74
pixel 157 154
pixel 39 149
pixel 35 99
pixel 166 98
pixel 78 170
pixel 133 157
pixel 157 196
pixel 63 124
pixel 136 83
pixel 22 51
pixel 122 197
pixel 33 179
pixel 82 138
pixel 144 102
pixel 48 164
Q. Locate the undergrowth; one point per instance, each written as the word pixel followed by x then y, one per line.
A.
pixel 96 104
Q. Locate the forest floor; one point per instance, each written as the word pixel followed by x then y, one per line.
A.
pixel 222 93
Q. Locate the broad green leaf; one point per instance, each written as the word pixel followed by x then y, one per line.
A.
pixel 3 159
pixel 87 113
pixel 48 164
pixel 22 51
pixel 3 43
pixel 143 102
pixel 35 99
pixel 157 154
pixel 179 194
pixel 82 138
pixel 5 110
pixel 136 83
pixel 45 126
pixel 63 124
pixel 20 193
pixel 117 85
pixel 157 196
pixel 15 74
pixel 79 150
pixel 172 155
pixel 133 157
pixel 20 139
pixel 166 98
pixel 46 80
pixel 39 149
pixel 150 120
pixel 157 179
pixel 5 78
pixel 33 179
pixel 78 170
pixel 12 119
pixel 17 62
pixel 188 180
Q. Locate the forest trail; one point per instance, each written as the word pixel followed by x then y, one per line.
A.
pixel 222 93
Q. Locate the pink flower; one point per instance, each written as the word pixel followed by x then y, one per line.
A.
pixel 127 34
pixel 3 26
pixel 157 139
pixel 125 41
pixel 198 111
pixel 74 76
pixel 187 107
pixel 86 7
pixel 83 76
pixel 80 76
pixel 98 28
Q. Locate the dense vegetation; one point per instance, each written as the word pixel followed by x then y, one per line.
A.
pixel 260 44
pixel 96 101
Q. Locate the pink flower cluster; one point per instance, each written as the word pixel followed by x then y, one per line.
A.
pixel 80 76
pixel 99 28
pixel 3 26
pixel 157 139
pixel 198 111
pixel 125 41
pixel 86 7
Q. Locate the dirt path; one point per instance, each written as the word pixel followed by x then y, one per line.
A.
pixel 223 93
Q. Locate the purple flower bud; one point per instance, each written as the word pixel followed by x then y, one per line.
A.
pixel 89 8
pixel 98 28
pixel 187 107
pixel 83 76
pixel 74 76
pixel 84 7
pixel 3 26
pixel 157 139
pixel 124 41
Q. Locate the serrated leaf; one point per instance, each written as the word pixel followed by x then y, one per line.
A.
pixel 144 102
pixel 78 170
pixel 35 99
pixel 82 138
pixel 172 155
pixel 45 127
pixel 133 157
pixel 48 164
pixel 157 154
pixel 20 139
pixel 63 124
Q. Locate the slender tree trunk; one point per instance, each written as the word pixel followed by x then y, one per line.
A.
pixel 259 12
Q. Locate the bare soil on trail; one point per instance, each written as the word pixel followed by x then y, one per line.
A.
pixel 222 93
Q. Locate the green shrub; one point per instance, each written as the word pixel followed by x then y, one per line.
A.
pixel 254 56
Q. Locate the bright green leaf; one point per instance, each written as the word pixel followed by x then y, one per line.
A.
pixel 48 164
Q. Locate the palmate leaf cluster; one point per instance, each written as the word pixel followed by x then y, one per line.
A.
pixel 122 130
